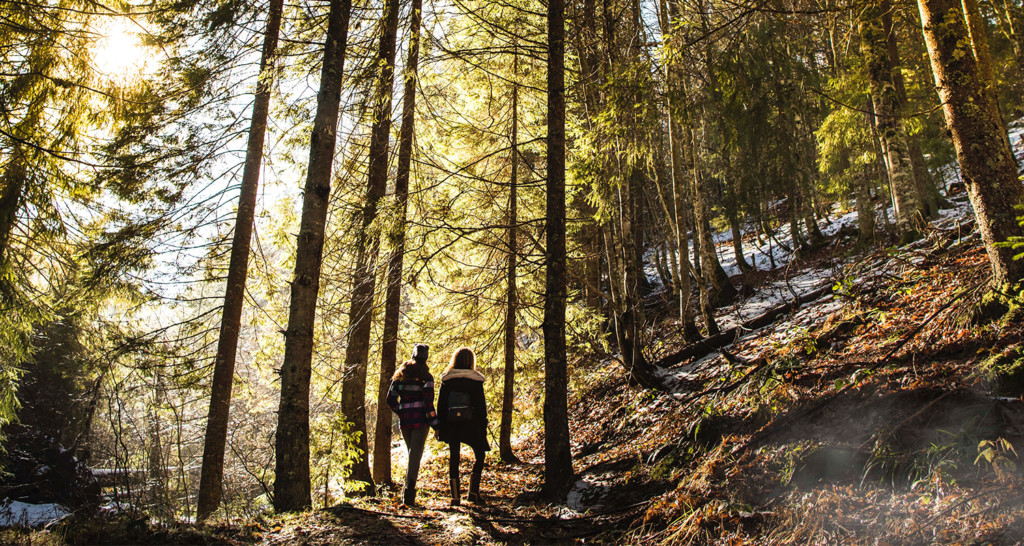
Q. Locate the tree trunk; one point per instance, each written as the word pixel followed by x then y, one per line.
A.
pixel 508 388
pixel 927 192
pixel 880 167
pixel 624 317
pixel 979 43
pixel 733 214
pixel 813 231
pixel 291 483
pixel 677 217
pixel 1012 17
pixel 889 121
pixel 589 82
pixel 979 137
pixel 558 473
pixel 722 290
pixel 360 316
pixel 157 469
pixel 704 287
pixel 737 243
pixel 393 297
pixel 865 213
pixel 11 198
pixel 797 237
pixel 661 266
pixel 630 232
pixel 212 473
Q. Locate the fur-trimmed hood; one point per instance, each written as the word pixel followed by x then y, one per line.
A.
pixel 458 373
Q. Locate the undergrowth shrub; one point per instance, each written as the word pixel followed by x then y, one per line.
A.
pixel 1005 371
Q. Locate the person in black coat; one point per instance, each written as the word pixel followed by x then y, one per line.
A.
pixel 463 412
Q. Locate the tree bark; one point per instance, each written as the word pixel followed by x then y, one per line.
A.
pixel 291 484
pixel 357 352
pixel 889 120
pixel 927 192
pixel 393 297
pixel 714 278
pixel 733 214
pixel 684 289
pixel 1011 19
pixel 212 473
pixel 979 136
pixel 11 198
pixel 508 388
pixel 865 212
pixel 157 469
pixel 558 473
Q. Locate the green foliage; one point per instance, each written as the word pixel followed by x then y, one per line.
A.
pixel 333 449
pixel 1006 370
pixel 15 348
pixel 1015 242
pixel 891 461
pixel 845 143
pixel 997 454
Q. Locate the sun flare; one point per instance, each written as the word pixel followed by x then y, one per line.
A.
pixel 120 53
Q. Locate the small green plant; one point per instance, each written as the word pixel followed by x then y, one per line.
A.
pixel 844 286
pixel 996 453
pixel 893 461
pixel 804 342
pixel 1015 242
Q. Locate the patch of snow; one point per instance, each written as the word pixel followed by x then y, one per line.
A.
pixel 773 295
pixel 1016 133
pixel 763 256
pixel 17 513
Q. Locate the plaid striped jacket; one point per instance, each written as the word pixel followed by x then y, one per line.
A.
pixel 413 401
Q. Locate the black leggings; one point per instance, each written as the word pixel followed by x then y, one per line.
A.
pixel 455 455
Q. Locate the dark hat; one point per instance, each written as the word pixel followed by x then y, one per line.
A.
pixel 420 352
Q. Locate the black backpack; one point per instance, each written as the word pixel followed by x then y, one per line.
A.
pixel 460 409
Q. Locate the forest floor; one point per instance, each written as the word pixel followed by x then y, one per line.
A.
pixel 888 411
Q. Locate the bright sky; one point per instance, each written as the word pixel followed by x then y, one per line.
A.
pixel 119 53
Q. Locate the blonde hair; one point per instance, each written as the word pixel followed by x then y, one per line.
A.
pixel 462 359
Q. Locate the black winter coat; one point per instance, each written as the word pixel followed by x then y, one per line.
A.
pixel 473 432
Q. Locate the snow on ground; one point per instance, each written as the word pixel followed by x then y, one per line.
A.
pixel 950 173
pixel 788 288
pixel 14 512
pixel 778 292
pixel 1016 130
pixel 771 296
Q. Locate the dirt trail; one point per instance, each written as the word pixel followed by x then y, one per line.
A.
pixel 510 515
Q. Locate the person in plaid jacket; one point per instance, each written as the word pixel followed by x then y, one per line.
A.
pixel 411 397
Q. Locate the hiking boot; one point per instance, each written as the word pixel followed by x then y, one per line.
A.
pixel 454 484
pixel 474 490
pixel 409 497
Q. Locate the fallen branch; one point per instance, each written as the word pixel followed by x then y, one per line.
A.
pixel 728 337
pixel 756 365
pixel 841 328
pixel 958 504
